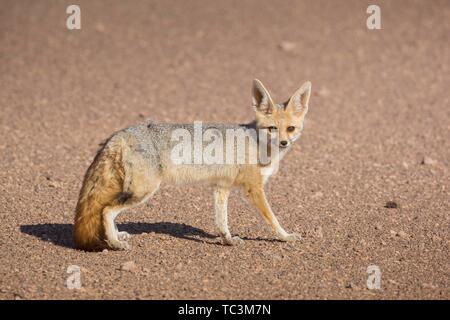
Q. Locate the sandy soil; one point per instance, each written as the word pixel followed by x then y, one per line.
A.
pixel 377 131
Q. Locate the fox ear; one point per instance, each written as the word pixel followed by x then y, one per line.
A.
pixel 261 99
pixel 300 99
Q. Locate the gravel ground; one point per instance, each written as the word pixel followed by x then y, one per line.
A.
pixel 368 184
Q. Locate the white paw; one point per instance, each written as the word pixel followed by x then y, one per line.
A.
pixel 118 245
pixel 291 237
pixel 233 241
pixel 123 235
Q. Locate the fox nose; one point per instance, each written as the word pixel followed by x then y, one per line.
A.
pixel 283 143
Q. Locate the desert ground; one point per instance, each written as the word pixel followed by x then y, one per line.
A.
pixel 367 184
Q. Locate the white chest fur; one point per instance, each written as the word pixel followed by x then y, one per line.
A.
pixel 272 169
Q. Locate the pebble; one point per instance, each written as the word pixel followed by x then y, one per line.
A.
pixel 129 266
pixel 391 205
pixel 288 46
pixel 100 27
pixel 403 234
pixel 323 92
pixel 317 195
pixel 54 184
pixel 429 286
pixel 277 257
pixel 349 285
pixel 436 238
pixel 427 161
pixel 319 232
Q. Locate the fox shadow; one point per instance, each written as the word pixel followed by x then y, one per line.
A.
pixel 61 234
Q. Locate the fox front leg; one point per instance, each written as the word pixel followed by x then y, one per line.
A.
pixel 258 198
pixel 221 211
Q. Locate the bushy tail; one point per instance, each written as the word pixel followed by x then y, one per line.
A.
pixel 102 182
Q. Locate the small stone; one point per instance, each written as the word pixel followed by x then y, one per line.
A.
pixel 319 232
pixel 287 46
pixel 402 234
pixel 54 184
pixel 100 27
pixel 349 285
pixel 429 286
pixel 427 161
pixel 323 92
pixel 277 257
pixel 405 165
pixel 391 205
pixel 378 227
pixel 129 266
pixel 436 238
pixel 317 195
pixel 105 250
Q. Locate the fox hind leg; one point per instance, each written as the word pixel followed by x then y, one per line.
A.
pixel 125 200
pixel 111 233
pixel 122 235
pixel 221 203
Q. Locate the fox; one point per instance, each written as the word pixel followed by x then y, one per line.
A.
pixel 132 163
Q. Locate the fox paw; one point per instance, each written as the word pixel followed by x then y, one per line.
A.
pixel 123 235
pixel 291 237
pixel 233 241
pixel 118 245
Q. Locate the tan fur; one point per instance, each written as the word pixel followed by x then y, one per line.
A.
pixel 134 161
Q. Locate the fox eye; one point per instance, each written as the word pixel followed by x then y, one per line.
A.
pixel 290 128
pixel 272 128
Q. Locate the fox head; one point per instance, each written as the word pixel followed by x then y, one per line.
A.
pixel 284 121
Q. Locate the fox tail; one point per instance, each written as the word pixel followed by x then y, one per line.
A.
pixel 101 185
